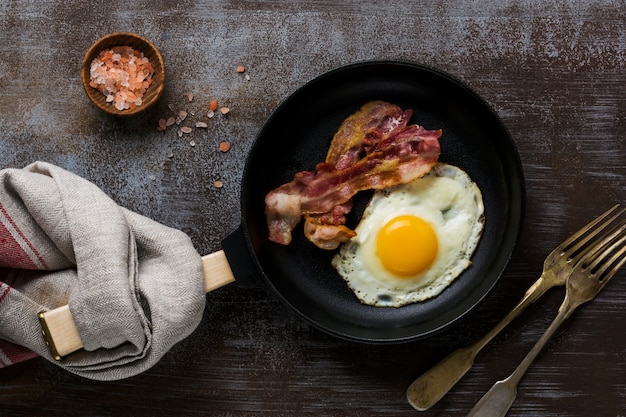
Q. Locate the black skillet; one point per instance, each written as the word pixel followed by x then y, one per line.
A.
pixel 296 137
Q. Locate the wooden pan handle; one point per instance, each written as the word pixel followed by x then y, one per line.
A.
pixel 217 272
pixel 60 332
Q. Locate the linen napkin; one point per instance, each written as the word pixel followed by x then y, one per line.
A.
pixel 134 287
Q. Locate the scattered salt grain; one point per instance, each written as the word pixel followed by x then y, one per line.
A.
pixel 224 146
pixel 123 75
pixel 190 97
pixel 185 129
pixel 247 77
pixel 170 121
pixel 218 184
pixel 224 110
pixel 201 125
pixel 241 69
pixel 210 114
pixel 213 105
pixel 162 125
pixel 192 143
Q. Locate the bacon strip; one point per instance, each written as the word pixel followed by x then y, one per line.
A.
pixel 398 159
pixel 375 121
pixel 358 134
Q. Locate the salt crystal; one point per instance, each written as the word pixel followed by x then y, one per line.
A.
pixel 201 125
pixel 192 143
pixel 185 129
pixel 210 114
pixel 224 146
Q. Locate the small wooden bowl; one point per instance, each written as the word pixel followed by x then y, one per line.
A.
pixel 139 43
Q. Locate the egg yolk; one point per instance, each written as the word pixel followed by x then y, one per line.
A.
pixel 407 245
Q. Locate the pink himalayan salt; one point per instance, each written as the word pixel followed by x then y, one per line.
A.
pixel 123 75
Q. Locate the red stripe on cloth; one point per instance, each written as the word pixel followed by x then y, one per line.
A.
pixel 10 353
pixel 12 254
pixel 4 291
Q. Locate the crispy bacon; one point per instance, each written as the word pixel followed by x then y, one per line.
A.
pixel 402 156
pixel 357 135
pixel 375 121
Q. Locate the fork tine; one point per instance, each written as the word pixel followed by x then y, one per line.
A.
pixel 618 265
pixel 575 244
pixel 603 242
pixel 607 257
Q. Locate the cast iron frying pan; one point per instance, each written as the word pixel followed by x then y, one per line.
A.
pixel 296 137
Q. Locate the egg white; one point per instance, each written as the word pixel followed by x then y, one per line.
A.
pixel 446 198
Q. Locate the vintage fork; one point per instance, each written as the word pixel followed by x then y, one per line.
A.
pixel 590 275
pixel 429 388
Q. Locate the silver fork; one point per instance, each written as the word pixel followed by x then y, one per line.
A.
pixel 590 275
pixel 429 388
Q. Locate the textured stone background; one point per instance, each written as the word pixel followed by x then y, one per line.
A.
pixel 554 72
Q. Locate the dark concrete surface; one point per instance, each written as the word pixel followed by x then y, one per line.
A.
pixel 555 72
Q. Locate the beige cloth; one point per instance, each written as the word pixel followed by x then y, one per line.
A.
pixel 134 286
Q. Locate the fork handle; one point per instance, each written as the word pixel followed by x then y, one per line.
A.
pixel 429 388
pixel 497 401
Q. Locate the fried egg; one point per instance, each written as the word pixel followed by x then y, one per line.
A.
pixel 414 239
